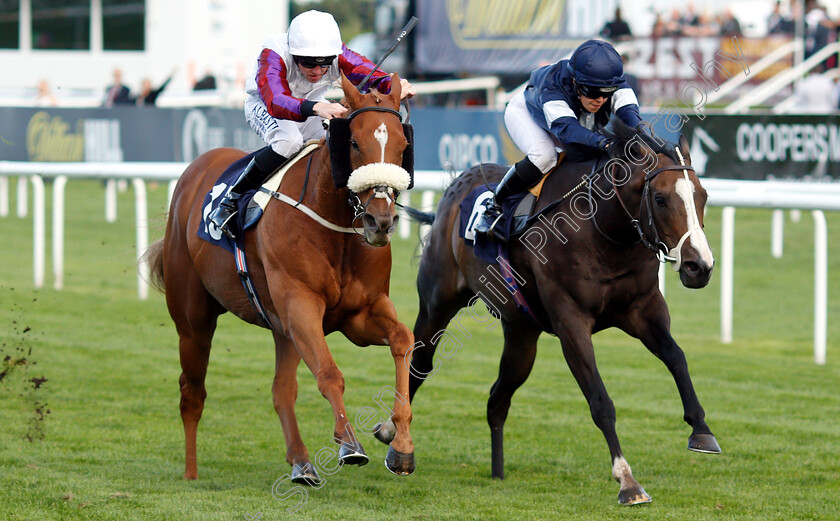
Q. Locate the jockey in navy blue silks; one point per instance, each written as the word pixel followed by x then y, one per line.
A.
pixel 565 103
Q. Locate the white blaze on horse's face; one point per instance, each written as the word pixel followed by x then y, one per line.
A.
pixel 685 190
pixel 381 135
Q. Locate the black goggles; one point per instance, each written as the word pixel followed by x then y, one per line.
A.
pixel 310 62
pixel 593 92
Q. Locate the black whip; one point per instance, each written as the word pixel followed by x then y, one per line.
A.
pixel 407 29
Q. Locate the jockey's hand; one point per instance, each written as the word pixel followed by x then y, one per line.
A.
pixel 407 89
pixel 329 110
pixel 610 146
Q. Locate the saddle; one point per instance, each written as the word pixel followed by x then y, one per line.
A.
pixel 518 212
pixel 251 203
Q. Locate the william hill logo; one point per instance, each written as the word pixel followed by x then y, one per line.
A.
pixel 50 139
pixel 506 24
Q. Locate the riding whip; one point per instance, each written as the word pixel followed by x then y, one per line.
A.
pixel 407 29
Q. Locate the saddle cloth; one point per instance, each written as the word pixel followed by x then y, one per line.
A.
pixel 515 212
pixel 251 204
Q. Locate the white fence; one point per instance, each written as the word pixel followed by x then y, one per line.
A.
pixel 778 195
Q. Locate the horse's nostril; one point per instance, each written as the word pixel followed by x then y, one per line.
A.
pixel 369 220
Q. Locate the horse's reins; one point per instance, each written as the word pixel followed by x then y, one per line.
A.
pixel 656 245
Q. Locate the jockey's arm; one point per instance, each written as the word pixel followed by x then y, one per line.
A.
pixel 625 105
pixel 568 130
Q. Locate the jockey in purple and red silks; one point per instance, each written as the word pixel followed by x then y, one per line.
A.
pixel 286 96
pixel 565 103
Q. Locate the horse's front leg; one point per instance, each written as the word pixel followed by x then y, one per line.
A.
pixel 575 334
pixel 303 315
pixel 284 391
pixel 650 322
pixel 378 324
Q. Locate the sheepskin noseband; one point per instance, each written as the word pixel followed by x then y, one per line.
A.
pixel 378 174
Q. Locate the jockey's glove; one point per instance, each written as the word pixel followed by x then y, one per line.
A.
pixel 610 146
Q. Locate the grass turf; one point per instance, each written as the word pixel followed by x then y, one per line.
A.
pixel 111 445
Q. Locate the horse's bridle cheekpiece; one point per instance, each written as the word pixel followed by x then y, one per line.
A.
pixel 655 244
pixel 399 177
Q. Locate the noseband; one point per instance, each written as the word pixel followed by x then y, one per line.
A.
pixel 654 243
pixel 379 192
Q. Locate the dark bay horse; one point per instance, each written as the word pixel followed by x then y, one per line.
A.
pixel 312 280
pixel 588 264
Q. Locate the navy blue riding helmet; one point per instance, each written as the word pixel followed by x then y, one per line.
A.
pixel 596 68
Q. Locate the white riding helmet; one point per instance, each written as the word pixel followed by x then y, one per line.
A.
pixel 314 33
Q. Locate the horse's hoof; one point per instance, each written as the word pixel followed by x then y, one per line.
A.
pixel 305 474
pixel 399 463
pixel 633 496
pixel 385 432
pixel 703 443
pixel 352 454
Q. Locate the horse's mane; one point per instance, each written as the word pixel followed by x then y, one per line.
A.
pixel 624 133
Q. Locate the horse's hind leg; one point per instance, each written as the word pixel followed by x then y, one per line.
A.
pixel 514 368
pixel 650 323
pixel 284 392
pixel 195 332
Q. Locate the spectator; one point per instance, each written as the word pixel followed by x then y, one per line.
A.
pixel 815 94
pixel 44 97
pixel 148 96
pixel 729 25
pixel 777 23
pixel 208 82
pixel 673 27
pixel 689 19
pixel 704 25
pixel 818 27
pixel 117 93
pixel 659 27
pixel 617 29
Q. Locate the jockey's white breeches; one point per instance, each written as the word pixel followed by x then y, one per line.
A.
pixel 528 136
pixel 286 137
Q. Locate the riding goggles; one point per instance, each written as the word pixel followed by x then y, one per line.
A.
pixel 310 62
pixel 593 92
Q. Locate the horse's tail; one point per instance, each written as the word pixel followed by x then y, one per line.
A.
pixel 419 216
pixel 154 256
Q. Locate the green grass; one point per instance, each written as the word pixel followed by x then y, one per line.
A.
pixel 111 447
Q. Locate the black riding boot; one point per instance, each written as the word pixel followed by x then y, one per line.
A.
pixel 519 178
pixel 263 164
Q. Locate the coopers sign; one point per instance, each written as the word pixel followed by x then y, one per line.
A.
pixel 761 146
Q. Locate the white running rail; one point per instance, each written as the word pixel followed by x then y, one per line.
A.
pixel 816 197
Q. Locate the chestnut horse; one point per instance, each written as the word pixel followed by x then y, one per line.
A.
pixel 311 279
pixel 589 263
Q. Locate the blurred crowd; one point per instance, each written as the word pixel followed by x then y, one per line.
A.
pixel 818 30
pixel 688 21
pixel 815 92
pixel 117 93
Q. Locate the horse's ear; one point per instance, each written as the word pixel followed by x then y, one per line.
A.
pixel 684 148
pixel 351 93
pixel 396 89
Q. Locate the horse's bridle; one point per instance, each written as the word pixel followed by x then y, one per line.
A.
pixel 655 244
pixel 359 209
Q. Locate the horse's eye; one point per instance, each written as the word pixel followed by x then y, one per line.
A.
pixel 354 144
pixel 660 201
